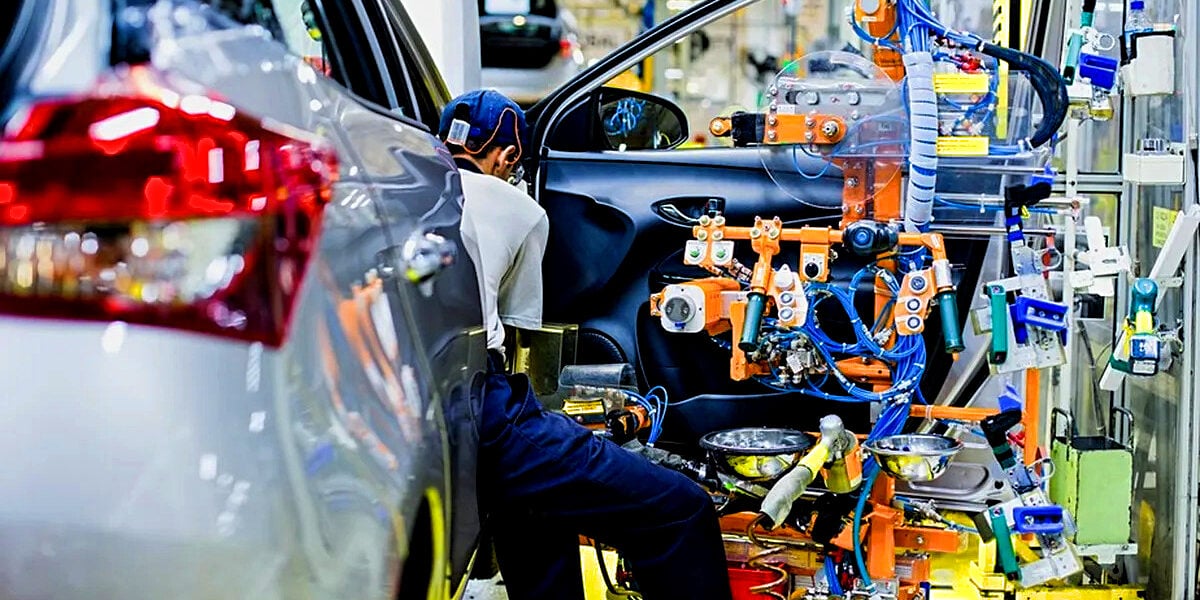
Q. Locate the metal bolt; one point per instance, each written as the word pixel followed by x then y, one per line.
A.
pixel 854 116
pixel 810 122
pixel 809 136
pixel 786 314
pixel 705 220
pixel 858 210
pixel 920 540
pixel 771 135
pixel 718 235
pixel 772 120
pixel 773 91
pixel 786 298
pixel 702 235
pixel 773 233
pixel 830 128
pixel 773 107
pixel 755 233
pixel 851 182
pixel 719 221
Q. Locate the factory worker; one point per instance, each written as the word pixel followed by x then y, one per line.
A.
pixel 545 480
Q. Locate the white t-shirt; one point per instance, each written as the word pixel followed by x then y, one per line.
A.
pixel 504 231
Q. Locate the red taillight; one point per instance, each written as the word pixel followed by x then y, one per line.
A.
pixel 143 204
pixel 566 47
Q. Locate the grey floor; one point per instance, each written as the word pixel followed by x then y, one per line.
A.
pixel 490 589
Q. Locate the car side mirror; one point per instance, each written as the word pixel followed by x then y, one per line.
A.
pixel 633 120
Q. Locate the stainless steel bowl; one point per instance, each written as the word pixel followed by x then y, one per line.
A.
pixel 756 454
pixel 914 457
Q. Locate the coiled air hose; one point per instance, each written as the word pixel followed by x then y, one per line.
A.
pixel 923 129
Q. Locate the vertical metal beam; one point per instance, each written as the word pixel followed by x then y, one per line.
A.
pixel 1185 553
pixel 1066 373
pixel 1001 27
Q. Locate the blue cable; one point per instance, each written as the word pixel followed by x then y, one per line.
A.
pixel 859 509
pixel 799 171
pixel 955 204
pixel 835 586
pixel 876 41
pixel 662 402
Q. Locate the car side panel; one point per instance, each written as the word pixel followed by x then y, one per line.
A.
pixel 419 192
pixel 167 464
pixel 380 337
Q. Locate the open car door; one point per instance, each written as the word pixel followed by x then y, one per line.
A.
pixel 622 203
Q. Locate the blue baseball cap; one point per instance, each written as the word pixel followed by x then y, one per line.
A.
pixel 476 118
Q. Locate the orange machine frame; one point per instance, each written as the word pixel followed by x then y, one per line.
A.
pixel 871 189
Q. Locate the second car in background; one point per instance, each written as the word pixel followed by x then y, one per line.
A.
pixel 528 47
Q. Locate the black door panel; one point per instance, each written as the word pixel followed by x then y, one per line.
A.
pixel 614 240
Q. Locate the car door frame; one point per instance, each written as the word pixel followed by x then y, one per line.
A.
pixel 546 115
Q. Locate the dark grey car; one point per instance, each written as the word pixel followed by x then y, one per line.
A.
pixel 239 340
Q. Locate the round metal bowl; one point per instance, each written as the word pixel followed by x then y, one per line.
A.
pixel 756 454
pixel 914 457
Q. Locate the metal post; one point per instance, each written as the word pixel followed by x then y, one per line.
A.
pixel 1184 572
pixel 1066 372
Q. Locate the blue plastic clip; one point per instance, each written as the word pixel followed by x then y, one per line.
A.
pixel 1046 176
pixel 1100 71
pixel 1010 399
pixel 1032 312
pixel 1038 519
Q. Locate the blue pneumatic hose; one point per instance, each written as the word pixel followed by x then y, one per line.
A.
pixel 858 515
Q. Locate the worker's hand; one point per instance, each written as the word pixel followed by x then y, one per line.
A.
pixel 778 503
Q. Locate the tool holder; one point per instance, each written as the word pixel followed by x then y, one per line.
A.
pixel 1093 478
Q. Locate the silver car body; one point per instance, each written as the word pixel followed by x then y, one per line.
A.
pixel 145 462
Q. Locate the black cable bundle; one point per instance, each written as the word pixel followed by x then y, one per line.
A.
pixel 1046 81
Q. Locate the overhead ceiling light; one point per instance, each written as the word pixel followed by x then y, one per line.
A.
pixel 519 20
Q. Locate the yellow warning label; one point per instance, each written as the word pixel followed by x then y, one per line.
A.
pixel 961 83
pixel 962 145
pixel 1163 219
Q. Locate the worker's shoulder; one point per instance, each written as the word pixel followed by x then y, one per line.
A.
pixel 492 194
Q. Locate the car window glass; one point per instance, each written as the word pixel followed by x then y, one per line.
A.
pixel 292 22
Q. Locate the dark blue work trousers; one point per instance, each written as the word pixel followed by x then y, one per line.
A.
pixel 546 480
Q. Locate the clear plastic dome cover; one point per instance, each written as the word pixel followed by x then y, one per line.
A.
pixel 846 93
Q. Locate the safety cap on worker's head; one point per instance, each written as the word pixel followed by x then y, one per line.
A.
pixel 482 117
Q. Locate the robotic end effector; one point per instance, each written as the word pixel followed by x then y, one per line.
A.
pixel 836 455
